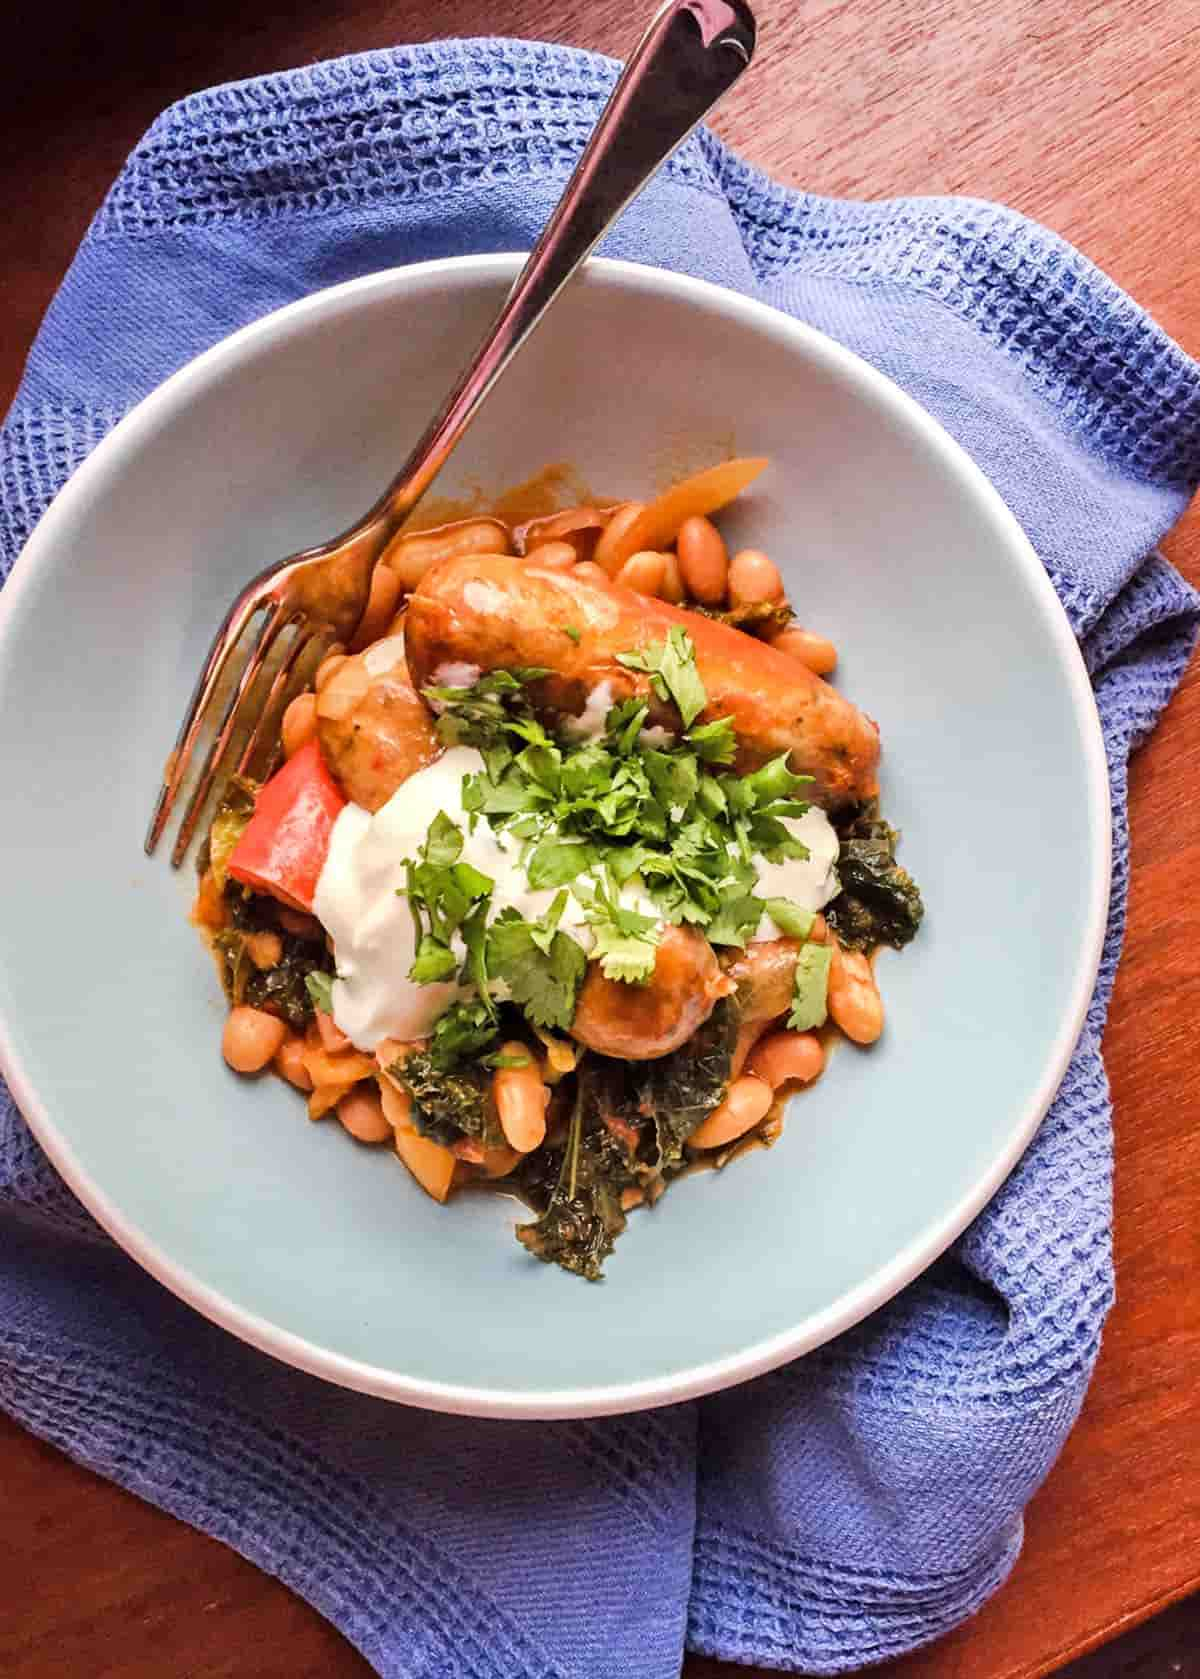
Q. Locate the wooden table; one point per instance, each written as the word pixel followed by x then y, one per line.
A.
pixel 1080 112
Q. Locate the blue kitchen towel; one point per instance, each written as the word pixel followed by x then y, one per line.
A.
pixel 870 1496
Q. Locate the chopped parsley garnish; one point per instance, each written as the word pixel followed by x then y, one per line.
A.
pixel 587 819
pixel 671 666
pixel 626 944
pixel 541 968
pixel 792 921
pixel 811 987
pixel 320 988
pixel 441 892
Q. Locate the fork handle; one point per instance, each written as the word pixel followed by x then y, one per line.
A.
pixel 691 54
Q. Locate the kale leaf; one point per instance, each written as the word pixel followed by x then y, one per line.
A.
pixel 880 902
pixel 449 1104
pixel 675 1092
pixel 575 1187
pixel 281 990
pixel 628 1127
pixel 765 617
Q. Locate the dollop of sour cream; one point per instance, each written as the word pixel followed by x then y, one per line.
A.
pixel 371 925
pixel 359 897
pixel 809 882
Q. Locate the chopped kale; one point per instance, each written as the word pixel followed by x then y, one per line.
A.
pixel 282 990
pixel 449 1105
pixel 628 1126
pixel 576 1188
pixel 673 1093
pixel 880 902
pixel 756 617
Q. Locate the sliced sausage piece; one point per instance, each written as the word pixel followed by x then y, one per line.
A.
pixel 764 974
pixel 374 729
pixel 642 1022
pixel 497 612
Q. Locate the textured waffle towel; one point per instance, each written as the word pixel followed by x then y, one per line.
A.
pixel 868 1497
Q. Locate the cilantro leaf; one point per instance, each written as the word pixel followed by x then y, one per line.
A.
pixel 475 969
pixel 671 666
pixel 558 862
pixel 626 942
pixel 765 786
pixel 623 725
pixel 715 742
pixel 674 778
pixel 320 988
pixel 791 920
pixel 434 961
pixel 735 920
pixel 575 635
pixel 811 987
pixel 545 983
pixel 443 843
pixel 461 1032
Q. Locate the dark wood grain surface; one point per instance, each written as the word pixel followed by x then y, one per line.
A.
pixel 1079 112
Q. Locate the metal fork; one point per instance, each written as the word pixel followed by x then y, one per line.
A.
pixel 691 54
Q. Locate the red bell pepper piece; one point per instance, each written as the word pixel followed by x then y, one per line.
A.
pixel 286 841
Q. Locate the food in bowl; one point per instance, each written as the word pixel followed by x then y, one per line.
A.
pixel 573 867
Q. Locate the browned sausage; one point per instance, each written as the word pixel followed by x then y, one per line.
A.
pixel 764 975
pixel 498 613
pixel 374 729
pixel 642 1022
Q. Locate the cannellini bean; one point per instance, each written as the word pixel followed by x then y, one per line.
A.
pixel 413 553
pixel 381 605
pixel 854 1001
pixel 251 1038
pixel 807 648
pixel 672 584
pixel 299 724
pixel 554 556
pixel 264 949
pixel 390 1050
pixel 520 1098
pixel 607 554
pixel 397 1104
pixel 643 572
pixel 659 523
pixel 430 1163
pixel 498 1162
pixel 345 1068
pixel 289 1063
pixel 746 1102
pixel 578 527
pixel 326 668
pixel 703 560
pixel 361 1113
pixel 749 1032
pixel 753 577
pixel 787 1057
pixel 345 687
